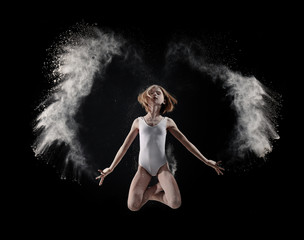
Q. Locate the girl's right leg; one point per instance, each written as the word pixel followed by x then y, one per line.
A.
pixel 138 193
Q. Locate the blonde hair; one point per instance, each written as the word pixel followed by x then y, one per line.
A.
pixel 168 106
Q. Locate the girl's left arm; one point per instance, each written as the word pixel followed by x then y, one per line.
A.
pixel 173 129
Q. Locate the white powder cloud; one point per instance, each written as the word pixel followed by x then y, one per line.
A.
pixel 77 62
pixel 255 127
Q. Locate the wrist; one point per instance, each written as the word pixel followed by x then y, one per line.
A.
pixel 204 160
pixel 208 162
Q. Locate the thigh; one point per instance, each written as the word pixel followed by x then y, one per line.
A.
pixel 140 182
pixel 168 183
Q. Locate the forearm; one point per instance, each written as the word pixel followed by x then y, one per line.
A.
pixel 195 151
pixel 119 155
pixel 182 138
pixel 124 147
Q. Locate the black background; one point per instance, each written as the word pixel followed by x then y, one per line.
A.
pixel 255 39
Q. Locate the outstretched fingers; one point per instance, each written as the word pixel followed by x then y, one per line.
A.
pixel 218 168
pixel 101 180
pixel 219 172
pixel 101 177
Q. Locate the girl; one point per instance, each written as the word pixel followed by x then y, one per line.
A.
pixel 152 129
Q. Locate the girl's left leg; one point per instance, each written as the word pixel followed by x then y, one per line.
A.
pixel 165 191
pixel 170 194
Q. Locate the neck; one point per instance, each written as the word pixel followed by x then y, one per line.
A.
pixel 154 111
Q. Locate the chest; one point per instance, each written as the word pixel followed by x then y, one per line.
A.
pixel 153 131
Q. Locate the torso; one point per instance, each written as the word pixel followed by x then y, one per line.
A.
pixel 152 144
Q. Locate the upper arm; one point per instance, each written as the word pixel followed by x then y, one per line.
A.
pixel 135 127
pixel 173 129
pixel 132 134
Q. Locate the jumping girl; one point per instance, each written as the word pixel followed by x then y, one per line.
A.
pixel 152 129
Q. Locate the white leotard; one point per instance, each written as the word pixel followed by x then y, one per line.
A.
pixel 152 141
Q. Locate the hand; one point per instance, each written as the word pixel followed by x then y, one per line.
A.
pixel 103 174
pixel 216 166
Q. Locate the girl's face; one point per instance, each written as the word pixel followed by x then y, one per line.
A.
pixel 157 96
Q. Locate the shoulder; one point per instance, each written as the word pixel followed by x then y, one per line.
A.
pixel 135 123
pixel 170 123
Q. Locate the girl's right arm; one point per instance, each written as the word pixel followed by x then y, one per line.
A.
pixel 121 152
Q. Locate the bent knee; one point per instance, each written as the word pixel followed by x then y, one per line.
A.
pixel 134 204
pixel 175 203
